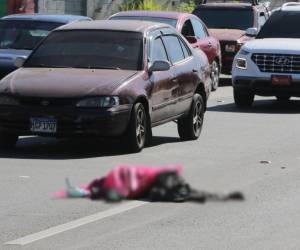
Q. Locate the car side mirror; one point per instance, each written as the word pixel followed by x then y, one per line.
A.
pixel 252 32
pixel 19 61
pixel 159 66
pixel 191 39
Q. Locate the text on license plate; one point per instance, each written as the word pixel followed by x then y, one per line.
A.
pixel 43 125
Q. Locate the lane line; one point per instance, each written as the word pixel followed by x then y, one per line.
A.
pixel 76 223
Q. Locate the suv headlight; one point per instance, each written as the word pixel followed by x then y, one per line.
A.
pixel 99 102
pixel 8 101
pixel 241 63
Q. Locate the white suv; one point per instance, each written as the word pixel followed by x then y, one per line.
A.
pixel 270 64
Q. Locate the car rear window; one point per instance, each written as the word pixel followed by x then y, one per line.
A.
pixel 281 24
pixel 170 21
pixel 90 49
pixel 225 18
pixel 23 34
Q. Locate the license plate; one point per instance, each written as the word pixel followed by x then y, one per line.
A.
pixel 278 80
pixel 43 125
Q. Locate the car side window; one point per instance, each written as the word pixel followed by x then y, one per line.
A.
pixel 158 51
pixel 200 31
pixel 174 49
pixel 185 49
pixel 187 29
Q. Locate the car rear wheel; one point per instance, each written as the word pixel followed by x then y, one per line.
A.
pixel 243 99
pixel 215 75
pixel 137 131
pixel 189 127
pixel 7 141
pixel 283 98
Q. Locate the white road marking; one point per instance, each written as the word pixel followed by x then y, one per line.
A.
pixel 76 223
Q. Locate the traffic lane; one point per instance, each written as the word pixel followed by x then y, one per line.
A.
pixel 209 164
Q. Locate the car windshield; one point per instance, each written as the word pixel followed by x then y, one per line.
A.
pixel 170 21
pixel 23 34
pixel 281 24
pixel 90 49
pixel 225 18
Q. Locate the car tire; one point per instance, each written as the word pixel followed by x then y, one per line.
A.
pixel 283 98
pixel 189 127
pixel 137 131
pixel 7 141
pixel 243 99
pixel 215 75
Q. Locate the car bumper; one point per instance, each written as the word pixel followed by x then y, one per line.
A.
pixel 70 121
pixel 264 86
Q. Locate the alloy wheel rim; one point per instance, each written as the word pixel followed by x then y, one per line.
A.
pixel 140 127
pixel 197 118
pixel 215 74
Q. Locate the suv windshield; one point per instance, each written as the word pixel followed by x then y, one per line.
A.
pixel 224 18
pixel 170 21
pixel 90 49
pixel 23 34
pixel 281 24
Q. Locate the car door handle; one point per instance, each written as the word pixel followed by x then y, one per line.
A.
pixel 195 71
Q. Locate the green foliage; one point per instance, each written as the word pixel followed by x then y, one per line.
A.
pixel 141 5
pixel 187 6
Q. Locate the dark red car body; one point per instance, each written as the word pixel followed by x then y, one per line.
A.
pixel 208 44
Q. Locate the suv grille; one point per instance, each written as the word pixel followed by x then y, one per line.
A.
pixel 277 63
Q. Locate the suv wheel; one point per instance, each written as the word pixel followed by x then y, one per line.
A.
pixel 283 98
pixel 215 75
pixel 7 141
pixel 243 99
pixel 189 127
pixel 137 131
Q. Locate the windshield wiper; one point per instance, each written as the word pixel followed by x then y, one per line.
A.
pixel 99 67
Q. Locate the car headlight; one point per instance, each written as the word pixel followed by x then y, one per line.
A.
pixel 8 101
pixel 241 63
pixel 99 102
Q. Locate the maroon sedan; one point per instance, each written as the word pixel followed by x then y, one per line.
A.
pixel 191 27
pixel 106 78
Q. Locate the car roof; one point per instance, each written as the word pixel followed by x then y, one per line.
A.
pixel 227 6
pixel 163 14
pixel 47 18
pixel 117 25
pixel 290 6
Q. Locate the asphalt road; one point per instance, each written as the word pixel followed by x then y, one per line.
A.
pixel 226 157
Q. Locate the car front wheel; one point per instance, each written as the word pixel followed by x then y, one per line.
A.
pixel 137 130
pixel 189 127
pixel 243 99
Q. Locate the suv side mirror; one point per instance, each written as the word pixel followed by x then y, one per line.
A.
pixel 191 39
pixel 19 61
pixel 159 66
pixel 252 32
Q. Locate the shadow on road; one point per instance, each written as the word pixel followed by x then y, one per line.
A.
pixel 225 81
pixel 261 106
pixel 58 149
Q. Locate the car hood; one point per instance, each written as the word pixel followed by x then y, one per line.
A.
pixel 62 82
pixel 273 45
pixel 227 34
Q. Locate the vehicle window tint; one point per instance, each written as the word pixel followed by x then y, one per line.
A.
pixel 281 24
pixel 186 51
pixel 226 18
pixel 199 29
pixel 90 49
pixel 15 34
pixel 187 29
pixel 173 48
pixel 158 51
